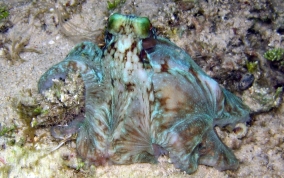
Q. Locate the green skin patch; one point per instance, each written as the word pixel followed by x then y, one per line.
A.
pixel 118 23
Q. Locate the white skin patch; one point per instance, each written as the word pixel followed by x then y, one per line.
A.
pixel 132 65
pixel 142 75
pixel 124 43
pixel 212 84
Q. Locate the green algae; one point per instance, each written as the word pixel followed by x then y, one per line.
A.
pixel 114 4
pixel 26 114
pixel 5 170
pixel 251 66
pixel 276 54
pixel 4 13
pixel 7 130
pixel 80 164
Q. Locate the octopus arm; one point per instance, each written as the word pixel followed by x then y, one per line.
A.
pixel 214 153
pixel 225 107
pixel 191 140
pixel 85 59
pixel 183 140
pixel 235 111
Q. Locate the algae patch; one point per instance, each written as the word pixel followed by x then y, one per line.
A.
pixel 7 130
pixel 276 54
pixel 252 66
pixel 4 13
pixel 114 4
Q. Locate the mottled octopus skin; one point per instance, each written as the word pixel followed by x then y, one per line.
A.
pixel 146 97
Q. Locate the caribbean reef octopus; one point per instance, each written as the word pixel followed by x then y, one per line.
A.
pixel 145 97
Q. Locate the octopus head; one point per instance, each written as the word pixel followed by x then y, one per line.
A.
pixel 127 24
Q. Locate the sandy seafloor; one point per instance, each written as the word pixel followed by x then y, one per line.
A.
pixel 260 152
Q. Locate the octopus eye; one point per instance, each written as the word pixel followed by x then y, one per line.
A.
pixel 118 23
pixel 142 27
pixel 115 22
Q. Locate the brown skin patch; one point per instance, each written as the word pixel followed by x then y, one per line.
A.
pixel 206 149
pixel 148 43
pixel 164 67
pixel 143 56
pixel 237 130
pixel 144 60
pixel 83 46
pixel 73 65
pixel 130 87
pixel 190 70
pixel 122 29
pixel 175 101
pixel 163 102
pixel 100 160
pixel 134 45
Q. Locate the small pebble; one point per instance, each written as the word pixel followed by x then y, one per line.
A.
pixel 51 42
pixel 246 81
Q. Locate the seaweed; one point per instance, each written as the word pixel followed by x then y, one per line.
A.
pixel 12 48
pixel 114 4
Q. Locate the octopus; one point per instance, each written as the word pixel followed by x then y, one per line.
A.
pixel 144 98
